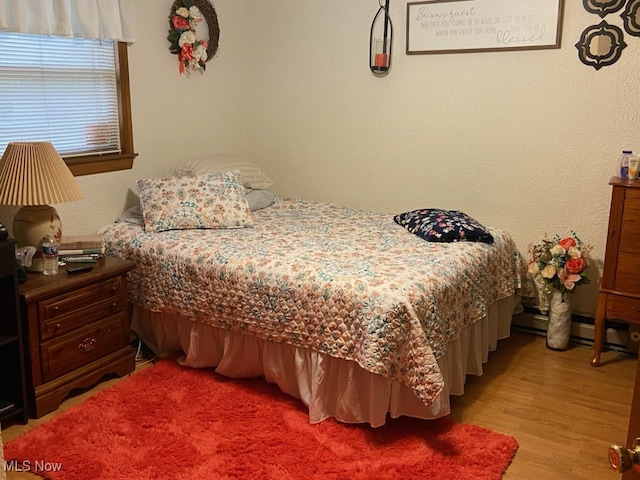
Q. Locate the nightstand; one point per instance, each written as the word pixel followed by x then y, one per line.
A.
pixel 77 330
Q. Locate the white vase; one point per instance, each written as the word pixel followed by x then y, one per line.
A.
pixel 559 327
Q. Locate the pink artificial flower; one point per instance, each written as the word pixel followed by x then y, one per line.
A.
pixel 180 23
pixel 567 279
pixel 567 243
pixel 571 281
pixel 575 265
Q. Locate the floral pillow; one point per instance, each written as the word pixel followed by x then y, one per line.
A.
pixel 216 200
pixel 436 225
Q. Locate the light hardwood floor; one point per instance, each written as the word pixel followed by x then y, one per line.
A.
pixel 563 412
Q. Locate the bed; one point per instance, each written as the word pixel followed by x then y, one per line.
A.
pixel 344 309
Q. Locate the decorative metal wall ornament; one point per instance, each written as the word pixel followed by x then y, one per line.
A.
pixel 600 45
pixel 603 7
pixel 631 17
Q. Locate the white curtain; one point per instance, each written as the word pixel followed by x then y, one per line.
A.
pixel 94 19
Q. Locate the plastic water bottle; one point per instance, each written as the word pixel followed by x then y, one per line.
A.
pixel 623 164
pixel 50 256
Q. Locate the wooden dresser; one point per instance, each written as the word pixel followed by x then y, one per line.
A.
pixel 619 297
pixel 77 330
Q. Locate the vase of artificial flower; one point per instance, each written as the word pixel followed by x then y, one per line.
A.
pixel 559 325
pixel 557 267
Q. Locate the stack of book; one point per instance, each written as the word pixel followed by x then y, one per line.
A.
pixel 5 406
pixel 84 248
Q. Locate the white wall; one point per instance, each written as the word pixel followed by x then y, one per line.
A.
pixel 522 140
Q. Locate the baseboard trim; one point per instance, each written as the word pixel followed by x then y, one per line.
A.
pixel 616 334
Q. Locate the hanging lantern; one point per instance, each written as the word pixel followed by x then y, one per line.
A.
pixel 380 40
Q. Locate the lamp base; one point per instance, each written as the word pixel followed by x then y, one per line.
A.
pixel 31 225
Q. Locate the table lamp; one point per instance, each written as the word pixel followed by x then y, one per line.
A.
pixel 33 175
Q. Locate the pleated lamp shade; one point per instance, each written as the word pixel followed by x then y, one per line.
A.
pixel 33 175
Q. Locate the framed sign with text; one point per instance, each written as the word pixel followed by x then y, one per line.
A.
pixel 457 26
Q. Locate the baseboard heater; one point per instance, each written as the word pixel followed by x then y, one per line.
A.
pixel 618 335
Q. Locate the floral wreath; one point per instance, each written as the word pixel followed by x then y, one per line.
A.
pixel 193 53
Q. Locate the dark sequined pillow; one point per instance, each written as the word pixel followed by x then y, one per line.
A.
pixel 435 225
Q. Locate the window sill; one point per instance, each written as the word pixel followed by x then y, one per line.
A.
pixel 91 164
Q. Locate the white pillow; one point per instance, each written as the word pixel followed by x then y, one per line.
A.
pixel 259 199
pixel 252 175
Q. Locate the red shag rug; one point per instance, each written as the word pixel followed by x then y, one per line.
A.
pixel 172 422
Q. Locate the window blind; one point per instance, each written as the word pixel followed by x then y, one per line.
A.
pixel 60 89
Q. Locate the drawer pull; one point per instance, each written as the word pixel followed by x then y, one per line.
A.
pixel 57 326
pixel 87 344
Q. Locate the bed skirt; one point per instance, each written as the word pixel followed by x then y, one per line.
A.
pixel 329 387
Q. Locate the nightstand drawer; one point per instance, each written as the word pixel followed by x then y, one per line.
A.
pixel 627 277
pixel 64 304
pixel 83 346
pixel 83 316
pixel 623 308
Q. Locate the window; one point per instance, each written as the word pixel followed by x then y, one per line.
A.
pixel 73 92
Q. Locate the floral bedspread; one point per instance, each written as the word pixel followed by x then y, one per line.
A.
pixel 347 283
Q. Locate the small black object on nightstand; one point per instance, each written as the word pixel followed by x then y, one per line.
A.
pixel 84 268
pixel 4 233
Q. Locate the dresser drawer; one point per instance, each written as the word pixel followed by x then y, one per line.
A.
pixel 71 302
pixel 83 346
pixel 623 308
pixel 630 228
pixel 627 275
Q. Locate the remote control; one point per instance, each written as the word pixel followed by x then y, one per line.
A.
pixel 84 268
